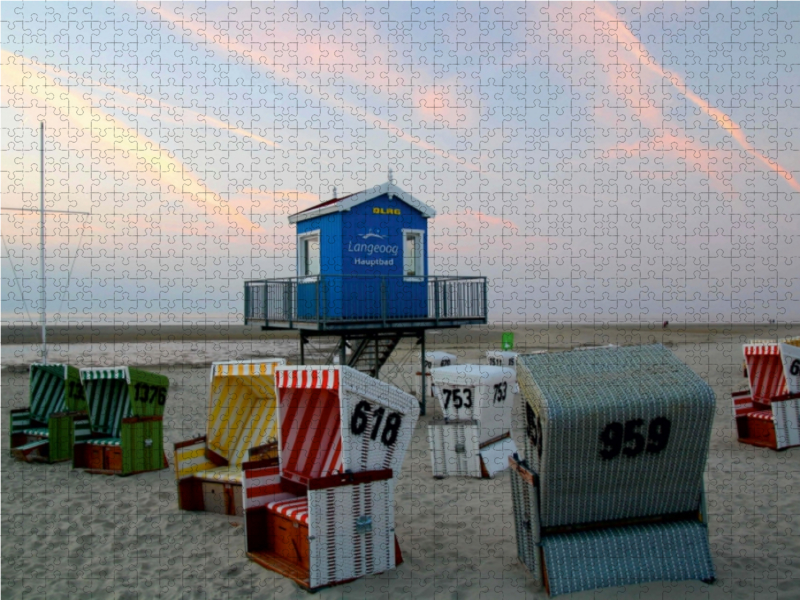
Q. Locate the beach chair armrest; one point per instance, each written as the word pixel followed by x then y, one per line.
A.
pixel 201 439
pixel 344 479
pixel 785 398
pixel 132 420
pixel 190 457
pixel 82 428
pixel 69 413
pixel 20 419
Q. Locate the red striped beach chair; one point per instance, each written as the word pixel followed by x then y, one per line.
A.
pixel 43 432
pixel 242 424
pixel 768 413
pixel 474 438
pixel 123 432
pixel 325 514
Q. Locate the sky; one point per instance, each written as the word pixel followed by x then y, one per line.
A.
pixel 598 163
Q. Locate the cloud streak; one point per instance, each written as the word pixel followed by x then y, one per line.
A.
pixel 214 36
pixel 38 88
pixel 620 31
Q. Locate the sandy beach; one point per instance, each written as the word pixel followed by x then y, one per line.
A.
pixel 69 534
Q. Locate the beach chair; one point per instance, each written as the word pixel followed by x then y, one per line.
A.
pixel 325 514
pixel 474 438
pixel 242 424
pixel 501 358
pixel 434 360
pixel 610 491
pixel 123 432
pixel 768 413
pixel 43 431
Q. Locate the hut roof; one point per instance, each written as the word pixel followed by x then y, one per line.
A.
pixel 347 202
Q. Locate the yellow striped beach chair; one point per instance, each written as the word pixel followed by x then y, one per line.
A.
pixel 242 423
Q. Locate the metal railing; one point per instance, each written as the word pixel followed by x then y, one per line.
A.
pixel 366 298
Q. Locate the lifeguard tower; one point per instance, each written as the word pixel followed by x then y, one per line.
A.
pixel 362 277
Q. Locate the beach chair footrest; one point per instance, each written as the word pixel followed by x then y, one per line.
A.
pixel 674 551
pixel 35 451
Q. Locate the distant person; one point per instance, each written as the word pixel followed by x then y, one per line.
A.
pixel 665 324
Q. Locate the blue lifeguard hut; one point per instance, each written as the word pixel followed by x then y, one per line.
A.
pixel 362 276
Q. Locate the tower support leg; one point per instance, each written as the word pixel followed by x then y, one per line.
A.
pixel 422 370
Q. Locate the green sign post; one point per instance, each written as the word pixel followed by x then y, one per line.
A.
pixel 508 340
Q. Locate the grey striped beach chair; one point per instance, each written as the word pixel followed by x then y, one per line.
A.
pixel 610 491
pixel 122 433
pixel 43 432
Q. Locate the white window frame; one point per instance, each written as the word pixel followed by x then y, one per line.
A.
pixel 302 238
pixel 420 258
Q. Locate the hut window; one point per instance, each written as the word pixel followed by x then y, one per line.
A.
pixel 309 254
pixel 412 253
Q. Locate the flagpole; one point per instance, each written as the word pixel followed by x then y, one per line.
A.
pixel 43 276
pixel 41 241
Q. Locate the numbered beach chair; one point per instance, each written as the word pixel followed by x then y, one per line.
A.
pixel 501 358
pixel 242 424
pixel 123 432
pixel 325 513
pixel 43 431
pixel 434 360
pixel 610 491
pixel 768 413
pixel 474 437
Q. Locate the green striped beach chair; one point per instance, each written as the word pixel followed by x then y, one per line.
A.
pixel 43 431
pixel 123 432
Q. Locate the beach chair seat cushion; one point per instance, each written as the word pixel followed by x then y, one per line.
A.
pixel 292 508
pixel 40 431
pixel 105 441
pixel 764 415
pixel 224 474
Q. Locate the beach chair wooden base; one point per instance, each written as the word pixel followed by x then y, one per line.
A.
pixel 756 432
pixel 774 426
pixel 283 557
pixel 98 459
pixel 200 495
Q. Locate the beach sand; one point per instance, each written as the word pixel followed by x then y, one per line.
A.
pixel 69 534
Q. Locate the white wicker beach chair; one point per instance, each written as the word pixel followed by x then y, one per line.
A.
pixel 501 358
pixel 433 360
pixel 325 513
pixel 474 438
pixel 611 489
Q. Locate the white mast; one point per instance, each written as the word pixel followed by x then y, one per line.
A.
pixel 43 276
pixel 41 242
